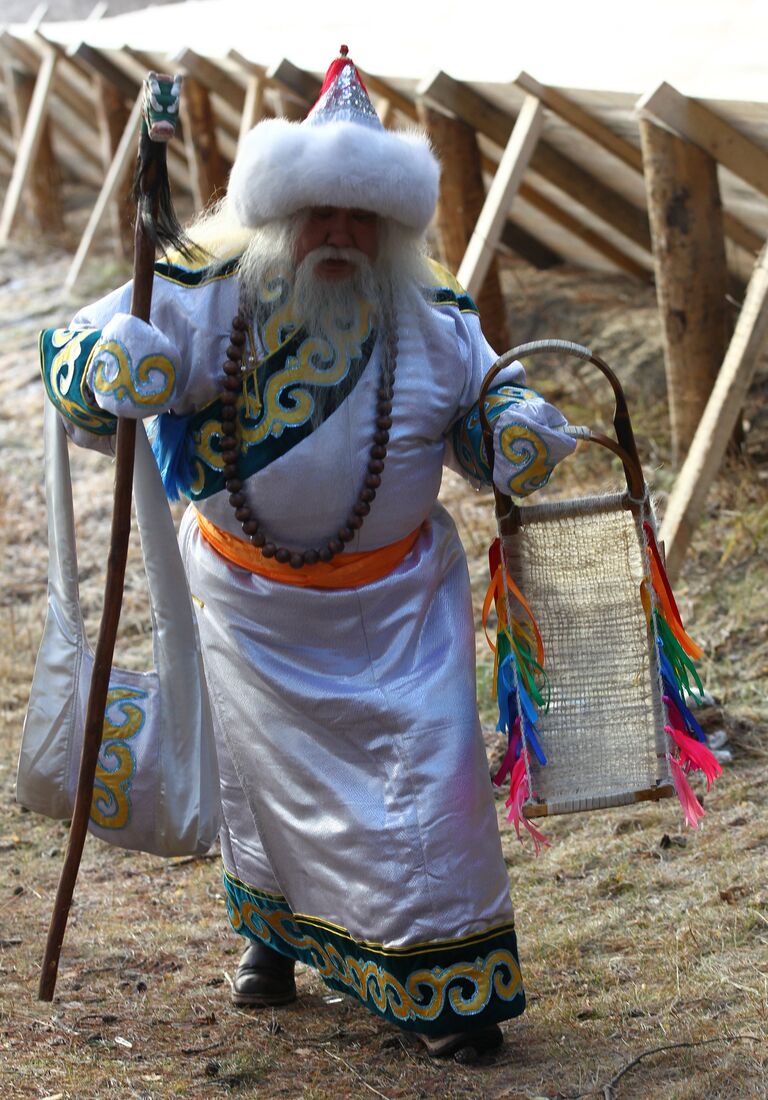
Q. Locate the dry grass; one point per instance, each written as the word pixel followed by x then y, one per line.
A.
pixel 642 946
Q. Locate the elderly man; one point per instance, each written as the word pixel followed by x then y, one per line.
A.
pixel 312 380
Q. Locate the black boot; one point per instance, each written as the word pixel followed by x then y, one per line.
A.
pixel 263 977
pixel 472 1043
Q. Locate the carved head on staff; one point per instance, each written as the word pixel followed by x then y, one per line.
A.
pixel 161 105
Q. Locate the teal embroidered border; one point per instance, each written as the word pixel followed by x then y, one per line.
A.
pixel 467 433
pixel 193 277
pixel 442 296
pixel 64 355
pixel 436 988
pixel 203 428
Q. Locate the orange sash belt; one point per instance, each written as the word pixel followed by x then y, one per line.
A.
pixel 346 570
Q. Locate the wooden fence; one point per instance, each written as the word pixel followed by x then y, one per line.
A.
pixel 665 188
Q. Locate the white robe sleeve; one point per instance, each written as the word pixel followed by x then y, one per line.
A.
pixel 528 442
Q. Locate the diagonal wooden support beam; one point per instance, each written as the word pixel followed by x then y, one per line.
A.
pixel 126 150
pixel 253 106
pixel 496 124
pixel 570 111
pixel 519 240
pixel 212 76
pixel 509 175
pixel 43 188
pixel 699 124
pixel 72 107
pixel 460 202
pixel 719 419
pixel 622 260
pixel 90 60
pixel 28 146
pixel 303 85
pixel 112 115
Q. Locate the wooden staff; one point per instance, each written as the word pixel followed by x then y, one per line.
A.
pixel 156 226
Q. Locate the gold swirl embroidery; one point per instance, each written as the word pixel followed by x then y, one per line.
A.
pixel 527 451
pixel 123 718
pixel 317 362
pixel 148 385
pixel 424 993
pixel 64 371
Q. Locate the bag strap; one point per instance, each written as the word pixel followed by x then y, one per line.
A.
pixel 62 545
pixel 173 622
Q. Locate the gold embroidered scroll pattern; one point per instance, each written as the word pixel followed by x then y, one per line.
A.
pixel 63 372
pixel 123 718
pixel 317 362
pixel 526 450
pixel 149 384
pixel 424 993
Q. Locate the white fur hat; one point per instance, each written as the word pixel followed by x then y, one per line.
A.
pixel 340 155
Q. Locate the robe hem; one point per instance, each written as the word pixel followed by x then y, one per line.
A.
pixel 436 987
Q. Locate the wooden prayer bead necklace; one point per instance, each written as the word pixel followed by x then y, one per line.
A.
pixel 230 452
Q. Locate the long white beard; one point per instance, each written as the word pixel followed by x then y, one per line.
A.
pixel 326 307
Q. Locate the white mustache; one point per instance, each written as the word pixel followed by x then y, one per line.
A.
pixel 329 252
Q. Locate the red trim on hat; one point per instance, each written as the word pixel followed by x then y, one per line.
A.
pixel 334 71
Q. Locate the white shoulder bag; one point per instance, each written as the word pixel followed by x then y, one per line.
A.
pixel 157 781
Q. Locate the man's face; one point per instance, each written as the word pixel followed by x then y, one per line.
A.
pixel 338 227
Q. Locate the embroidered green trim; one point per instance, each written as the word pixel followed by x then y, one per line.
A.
pixel 437 987
pixel 64 358
pixel 280 388
pixel 195 277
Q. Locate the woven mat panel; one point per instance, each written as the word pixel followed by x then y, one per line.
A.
pixel 603 734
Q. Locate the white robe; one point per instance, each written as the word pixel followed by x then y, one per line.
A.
pixel 360 832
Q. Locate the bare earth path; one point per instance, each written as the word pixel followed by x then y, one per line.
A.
pixel 644 947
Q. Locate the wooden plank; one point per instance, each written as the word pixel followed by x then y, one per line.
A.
pixel 212 76
pixel 605 203
pixel 691 272
pixel 582 232
pixel 506 182
pixel 34 127
pixel 302 85
pixel 44 183
pixel 582 120
pixel 70 83
pixel 383 88
pixel 462 194
pixel 252 68
pixel 700 125
pixel 206 165
pixel 7 145
pixel 630 154
pixel 113 117
pixel 488 119
pixel 69 95
pixel 124 155
pixel 741 234
pixel 463 101
pixel 719 419
pixel 519 240
pixel 253 107
pixel 93 61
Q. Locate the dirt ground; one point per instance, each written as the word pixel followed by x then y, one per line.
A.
pixel 643 944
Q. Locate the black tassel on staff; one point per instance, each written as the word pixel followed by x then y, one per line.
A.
pixel 156 229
